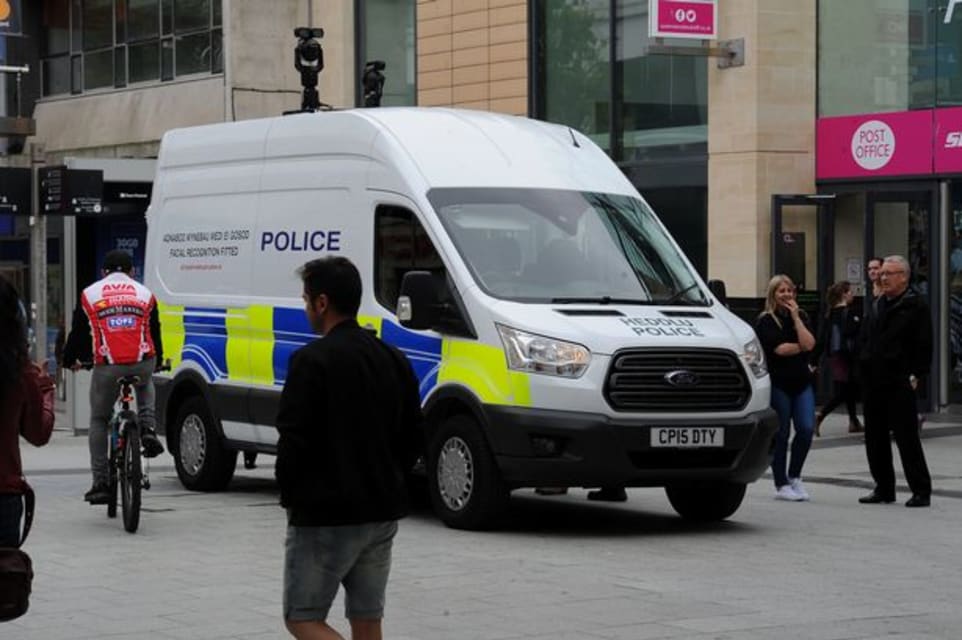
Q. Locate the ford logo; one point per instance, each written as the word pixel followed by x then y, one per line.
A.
pixel 681 378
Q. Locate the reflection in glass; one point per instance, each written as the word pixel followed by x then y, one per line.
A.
pixel 98 69
pixel 577 66
pixel 98 24
pixel 56 76
pixel 143 19
pixel 879 56
pixel 193 53
pixel 144 61
pixel 546 245
pixel 665 98
pixel 190 15
pixel 389 35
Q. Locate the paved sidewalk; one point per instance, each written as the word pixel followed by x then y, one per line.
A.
pixel 208 566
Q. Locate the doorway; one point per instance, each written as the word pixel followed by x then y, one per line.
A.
pixel 803 244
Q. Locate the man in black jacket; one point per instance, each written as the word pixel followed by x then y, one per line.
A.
pixel 349 425
pixel 896 353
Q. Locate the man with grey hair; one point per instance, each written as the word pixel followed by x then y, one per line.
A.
pixel 896 354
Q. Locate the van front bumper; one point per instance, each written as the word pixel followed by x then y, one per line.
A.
pixel 535 447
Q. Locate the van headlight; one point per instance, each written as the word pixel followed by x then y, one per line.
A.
pixel 540 354
pixel 754 357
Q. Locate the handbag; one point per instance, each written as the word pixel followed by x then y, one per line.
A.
pixel 16 569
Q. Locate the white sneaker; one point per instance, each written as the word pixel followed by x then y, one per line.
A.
pixel 799 488
pixel 785 492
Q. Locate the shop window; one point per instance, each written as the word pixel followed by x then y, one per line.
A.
pixel 879 57
pixel 400 245
pixel 386 31
pixel 664 98
pixel 96 44
pixel 575 58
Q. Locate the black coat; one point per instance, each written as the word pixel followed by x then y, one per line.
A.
pixel 350 429
pixel 849 323
pixel 789 373
pixel 897 342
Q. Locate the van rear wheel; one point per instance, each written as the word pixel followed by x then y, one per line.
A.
pixel 706 502
pixel 203 462
pixel 464 481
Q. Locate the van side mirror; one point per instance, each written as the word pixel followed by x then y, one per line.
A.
pixel 717 288
pixel 418 305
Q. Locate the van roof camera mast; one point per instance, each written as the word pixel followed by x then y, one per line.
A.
pixel 309 62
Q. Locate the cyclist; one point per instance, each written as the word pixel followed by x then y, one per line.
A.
pixel 116 327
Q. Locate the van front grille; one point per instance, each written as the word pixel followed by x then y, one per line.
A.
pixel 674 381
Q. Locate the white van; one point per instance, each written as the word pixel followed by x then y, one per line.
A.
pixel 560 336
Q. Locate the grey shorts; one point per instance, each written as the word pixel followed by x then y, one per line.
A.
pixel 318 560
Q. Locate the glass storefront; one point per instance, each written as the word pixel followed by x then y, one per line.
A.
pixel 648 112
pixel 888 55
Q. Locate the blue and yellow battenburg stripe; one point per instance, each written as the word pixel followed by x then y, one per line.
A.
pixel 252 345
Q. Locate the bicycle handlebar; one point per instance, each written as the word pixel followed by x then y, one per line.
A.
pixel 87 366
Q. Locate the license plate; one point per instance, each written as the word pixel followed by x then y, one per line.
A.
pixel 687 437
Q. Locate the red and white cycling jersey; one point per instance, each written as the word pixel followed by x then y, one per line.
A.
pixel 118 308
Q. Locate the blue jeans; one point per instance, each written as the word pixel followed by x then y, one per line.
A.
pixel 799 409
pixel 11 511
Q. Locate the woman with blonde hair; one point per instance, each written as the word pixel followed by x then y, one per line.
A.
pixel 786 336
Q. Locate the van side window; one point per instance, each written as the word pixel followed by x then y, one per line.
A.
pixel 400 245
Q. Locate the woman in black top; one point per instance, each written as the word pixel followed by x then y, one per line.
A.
pixel 836 339
pixel 787 339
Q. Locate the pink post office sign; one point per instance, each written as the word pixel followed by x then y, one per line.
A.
pixel 683 19
pixel 875 145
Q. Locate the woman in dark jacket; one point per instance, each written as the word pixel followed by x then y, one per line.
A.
pixel 787 339
pixel 836 340
pixel 26 408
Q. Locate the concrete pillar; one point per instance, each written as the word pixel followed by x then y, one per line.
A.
pixel 761 134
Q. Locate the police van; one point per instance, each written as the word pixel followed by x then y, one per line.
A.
pixel 560 336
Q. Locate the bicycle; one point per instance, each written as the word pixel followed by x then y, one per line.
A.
pixel 126 468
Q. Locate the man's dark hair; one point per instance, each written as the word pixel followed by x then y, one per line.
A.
pixel 118 260
pixel 875 259
pixel 338 279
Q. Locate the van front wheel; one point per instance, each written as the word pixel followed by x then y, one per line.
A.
pixel 203 462
pixel 465 484
pixel 706 502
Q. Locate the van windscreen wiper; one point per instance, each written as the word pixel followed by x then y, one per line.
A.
pixel 600 300
pixel 675 297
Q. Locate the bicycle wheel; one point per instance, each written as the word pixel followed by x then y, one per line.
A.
pixel 131 473
pixel 112 464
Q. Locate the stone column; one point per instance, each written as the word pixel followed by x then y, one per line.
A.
pixel 761 134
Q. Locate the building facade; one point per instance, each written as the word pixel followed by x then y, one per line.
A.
pixel 835 140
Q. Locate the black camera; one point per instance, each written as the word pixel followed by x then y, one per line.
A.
pixel 372 82
pixel 309 61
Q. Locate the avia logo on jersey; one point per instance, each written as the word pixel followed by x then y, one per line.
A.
pixel 111 290
pixel 120 323
pixel 953 140
pixel 306 240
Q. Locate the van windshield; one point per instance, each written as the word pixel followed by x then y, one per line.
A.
pixel 550 245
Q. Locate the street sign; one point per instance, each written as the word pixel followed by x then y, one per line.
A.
pixel 15 191
pixel 71 192
pixel 697 19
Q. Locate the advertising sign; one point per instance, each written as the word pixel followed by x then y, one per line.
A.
pixel 948 140
pixel 10 18
pixel 71 191
pixel 874 145
pixel 696 19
